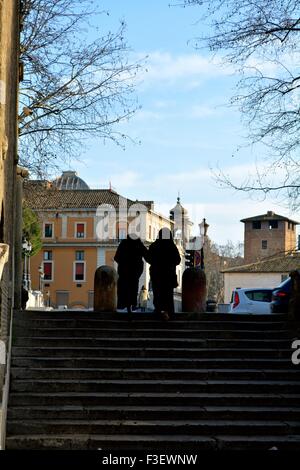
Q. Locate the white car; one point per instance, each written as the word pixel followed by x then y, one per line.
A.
pixel 252 301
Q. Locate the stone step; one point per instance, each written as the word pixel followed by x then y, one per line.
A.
pixel 154 399
pixel 200 386
pixel 140 324
pixel 153 444
pixel 169 427
pixel 257 443
pixel 146 316
pixel 167 362
pixel 81 380
pixel 154 374
pixel 155 412
pixel 129 332
pixel 138 342
pixel 186 352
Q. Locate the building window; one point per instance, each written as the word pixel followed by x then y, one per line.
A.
pixel 79 255
pixel 80 230
pixel 48 230
pixel 259 295
pixel 273 224
pixel 79 271
pixel 48 271
pixel 48 255
pixel 256 225
pixel 150 232
pixel 264 244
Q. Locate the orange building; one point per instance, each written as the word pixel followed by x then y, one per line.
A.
pixel 71 216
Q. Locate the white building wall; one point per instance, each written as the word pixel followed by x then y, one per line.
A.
pixel 245 280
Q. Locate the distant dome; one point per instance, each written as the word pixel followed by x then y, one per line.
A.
pixel 70 180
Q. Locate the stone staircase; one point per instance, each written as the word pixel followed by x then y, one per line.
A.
pixel 81 380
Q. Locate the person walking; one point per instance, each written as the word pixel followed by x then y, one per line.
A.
pixel 163 257
pixel 129 256
pixel 143 298
pixel 24 298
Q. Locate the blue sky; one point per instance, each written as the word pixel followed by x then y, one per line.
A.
pixel 184 125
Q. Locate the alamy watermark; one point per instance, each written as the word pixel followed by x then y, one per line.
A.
pixel 113 223
pixel 296 354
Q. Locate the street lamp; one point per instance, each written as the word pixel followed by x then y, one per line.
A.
pixel 41 273
pixel 27 248
pixel 203 232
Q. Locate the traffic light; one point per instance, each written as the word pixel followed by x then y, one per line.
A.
pixel 197 258
pixel 190 258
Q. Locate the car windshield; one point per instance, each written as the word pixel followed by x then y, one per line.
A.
pixel 284 283
pixel 259 295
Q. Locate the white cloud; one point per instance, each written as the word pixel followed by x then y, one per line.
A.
pixel 224 218
pixel 284 63
pixel 165 67
pixel 121 182
pixel 200 195
pixel 146 115
pixel 203 111
pixel 204 174
pixel 164 113
pixel 164 104
pixel 125 180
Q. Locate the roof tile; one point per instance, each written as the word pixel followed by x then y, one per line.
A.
pixel 38 195
pixel 279 264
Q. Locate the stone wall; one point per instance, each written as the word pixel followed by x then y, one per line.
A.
pixel 9 78
pixel 9 74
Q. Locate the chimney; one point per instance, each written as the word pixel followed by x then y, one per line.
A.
pixel 270 214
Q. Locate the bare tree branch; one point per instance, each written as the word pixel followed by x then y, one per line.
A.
pixel 261 38
pixel 73 88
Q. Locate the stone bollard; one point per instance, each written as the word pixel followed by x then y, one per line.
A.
pixel 105 289
pixel 194 290
pixel 294 303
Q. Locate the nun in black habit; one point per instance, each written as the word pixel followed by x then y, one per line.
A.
pixel 163 257
pixel 129 256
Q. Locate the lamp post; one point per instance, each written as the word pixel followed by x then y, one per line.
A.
pixel 41 273
pixel 194 279
pixel 203 227
pixel 27 248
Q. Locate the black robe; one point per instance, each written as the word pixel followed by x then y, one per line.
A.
pixel 163 257
pixel 129 256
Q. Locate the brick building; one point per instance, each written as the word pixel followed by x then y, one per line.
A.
pixel 267 235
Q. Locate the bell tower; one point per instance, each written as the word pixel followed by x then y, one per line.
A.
pixel 267 235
